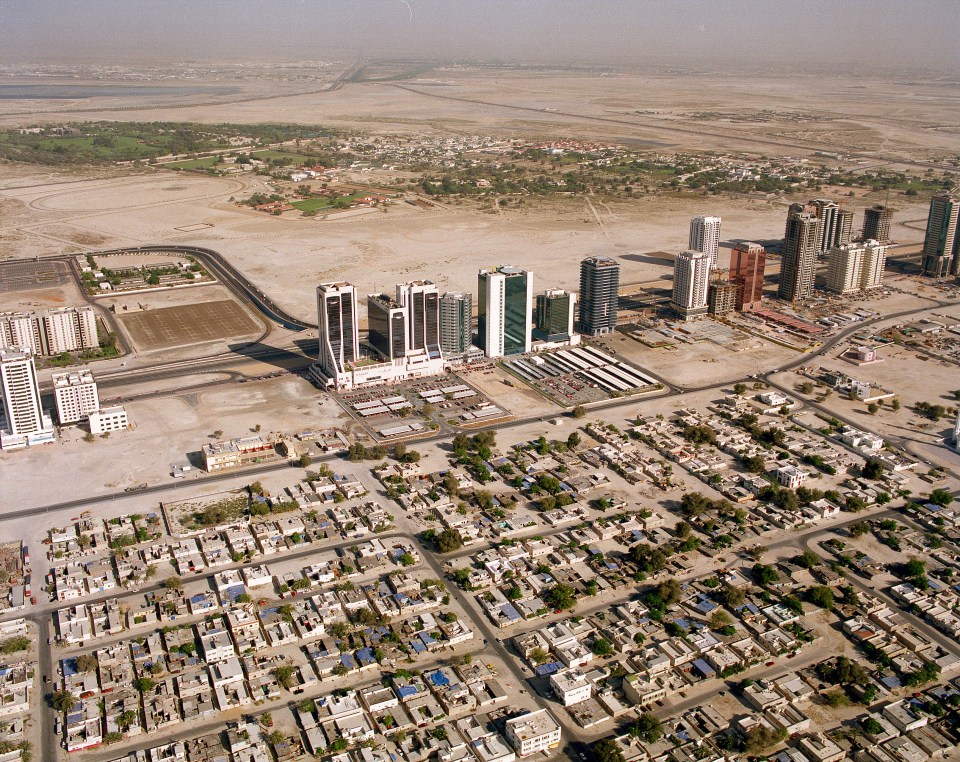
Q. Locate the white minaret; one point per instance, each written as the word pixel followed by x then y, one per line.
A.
pixel 23 423
pixel 705 236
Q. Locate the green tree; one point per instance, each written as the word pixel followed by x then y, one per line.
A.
pixel 647 728
pixel 872 469
pixel 808 559
pixel 602 648
pixel 560 596
pixel 284 675
pixel 607 750
pixel 579 411
pixel 941 497
pixel 822 596
pixel 63 701
pixel 448 541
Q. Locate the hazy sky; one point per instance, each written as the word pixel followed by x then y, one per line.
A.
pixel 890 33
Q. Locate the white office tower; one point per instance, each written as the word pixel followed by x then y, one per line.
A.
pixel 691 281
pixel 705 236
pixel 505 311
pixel 24 422
pixel 421 299
pixel 76 395
pixel 855 267
pixel 956 433
pixel 339 333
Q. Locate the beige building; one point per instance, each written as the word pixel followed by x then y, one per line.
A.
pixel 76 395
pixel 856 267
pixel 108 419
pixel 533 732
pixel 50 332
pixel 237 452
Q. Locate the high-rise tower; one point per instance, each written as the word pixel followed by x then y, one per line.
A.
pixel 24 422
pixel 941 245
pixel 554 315
pixel 455 322
pixel 422 302
pixel 747 263
pixel 801 238
pixel 505 310
pixel 339 331
pixel 705 237
pixel 599 288
pixel 876 223
pixel 691 281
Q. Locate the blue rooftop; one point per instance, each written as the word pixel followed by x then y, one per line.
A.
pixel 406 690
pixel 438 679
pixel 702 667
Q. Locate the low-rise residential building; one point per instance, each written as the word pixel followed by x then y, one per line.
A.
pixel 533 732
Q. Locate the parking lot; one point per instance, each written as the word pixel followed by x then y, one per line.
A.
pixel 25 276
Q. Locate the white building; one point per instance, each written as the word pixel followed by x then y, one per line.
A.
pixel 956 433
pixel 533 732
pixel 691 280
pixel 570 687
pixel 856 266
pixel 108 419
pixel 791 477
pixel 24 422
pixel 505 311
pixel 76 395
pixel 406 354
pixel 50 332
pixel 705 237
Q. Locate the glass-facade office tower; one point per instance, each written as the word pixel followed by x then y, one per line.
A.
pixel 941 245
pixel 599 288
pixel 747 263
pixel 338 327
pixel 505 311
pixel 456 310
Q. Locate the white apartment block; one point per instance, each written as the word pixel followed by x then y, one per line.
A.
pixel 855 267
pixel 705 237
pixel 51 332
pixel 108 419
pixel 76 395
pixel 691 281
pixel 533 732
pixel 24 422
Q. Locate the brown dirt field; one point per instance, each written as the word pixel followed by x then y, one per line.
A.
pixel 175 326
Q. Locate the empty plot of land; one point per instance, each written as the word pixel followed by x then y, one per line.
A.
pixel 23 276
pixel 190 324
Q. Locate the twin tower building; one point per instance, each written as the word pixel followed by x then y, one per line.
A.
pixel 416 331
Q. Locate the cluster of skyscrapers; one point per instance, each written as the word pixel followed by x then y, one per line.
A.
pixel 416 331
pixel 816 229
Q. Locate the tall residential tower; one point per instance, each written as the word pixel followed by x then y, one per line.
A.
pixel 599 288
pixel 691 281
pixel 801 239
pixel 456 310
pixel 705 237
pixel 24 422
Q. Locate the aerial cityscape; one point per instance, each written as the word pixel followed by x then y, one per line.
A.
pixel 467 381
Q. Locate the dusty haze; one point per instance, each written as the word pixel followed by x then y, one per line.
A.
pixel 862 34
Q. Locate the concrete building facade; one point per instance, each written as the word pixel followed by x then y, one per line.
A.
pixel 338 326
pixel 705 237
pixel 108 419
pixel 67 329
pixel 421 299
pixel 747 264
pixel 532 732
pixel 456 315
pixel 691 280
pixel 801 239
pixel 856 267
pixel 76 395
pixel 24 421
pixel 876 223
pixel 599 289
